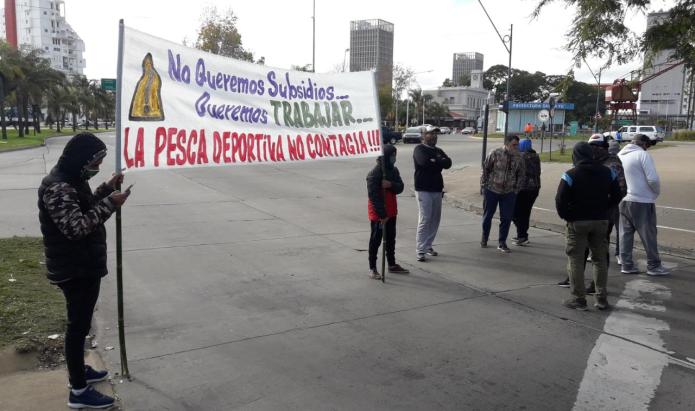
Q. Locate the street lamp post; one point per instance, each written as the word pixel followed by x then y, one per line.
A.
pixel 598 90
pixel 506 39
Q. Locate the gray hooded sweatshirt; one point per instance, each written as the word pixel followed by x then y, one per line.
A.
pixel 640 175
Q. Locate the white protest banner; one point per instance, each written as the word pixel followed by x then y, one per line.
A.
pixel 182 107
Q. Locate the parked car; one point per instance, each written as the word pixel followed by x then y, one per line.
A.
pixel 444 130
pixel 412 135
pixel 389 136
pixel 627 133
pixel 468 130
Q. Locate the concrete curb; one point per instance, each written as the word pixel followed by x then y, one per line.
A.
pixel 44 144
pixel 558 228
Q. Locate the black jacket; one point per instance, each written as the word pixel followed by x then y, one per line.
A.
pixel 378 206
pixel 587 191
pixel 429 163
pixel 72 217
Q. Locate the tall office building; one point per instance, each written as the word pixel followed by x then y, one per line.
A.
pixel 464 63
pixel 666 94
pixel 371 47
pixel 41 24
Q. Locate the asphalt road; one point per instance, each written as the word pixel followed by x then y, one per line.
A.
pixel 246 288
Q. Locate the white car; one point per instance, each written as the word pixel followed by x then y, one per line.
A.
pixel 468 130
pixel 627 133
pixel 412 135
pixel 445 130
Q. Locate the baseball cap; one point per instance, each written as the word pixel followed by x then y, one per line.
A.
pixel 432 129
pixel 597 139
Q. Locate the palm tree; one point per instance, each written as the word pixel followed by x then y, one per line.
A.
pixel 56 97
pixel 9 72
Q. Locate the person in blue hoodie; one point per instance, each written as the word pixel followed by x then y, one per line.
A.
pixel 529 186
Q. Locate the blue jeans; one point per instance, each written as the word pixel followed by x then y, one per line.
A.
pixel 506 202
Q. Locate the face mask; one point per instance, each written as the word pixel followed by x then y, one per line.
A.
pixel 88 173
pixel 392 160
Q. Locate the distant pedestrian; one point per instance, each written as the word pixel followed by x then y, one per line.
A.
pixel 503 172
pixel 383 184
pixel 638 209
pixel 429 161
pixel 528 130
pixel 529 187
pixel 72 221
pixel 584 197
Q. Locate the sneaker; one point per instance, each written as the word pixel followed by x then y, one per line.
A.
pixel 564 283
pixel 90 398
pixel 576 304
pixel 591 289
pixel 483 242
pixel 397 269
pixel 629 270
pixel 432 252
pixel 374 274
pixel 93 376
pixel 618 260
pixel 521 241
pixel 602 303
pixel 421 258
pixel 660 270
pixel 503 248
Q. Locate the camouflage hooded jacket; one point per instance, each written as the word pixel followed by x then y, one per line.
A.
pixel 503 171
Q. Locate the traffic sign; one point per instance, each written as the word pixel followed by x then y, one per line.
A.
pixel 543 116
pixel 108 84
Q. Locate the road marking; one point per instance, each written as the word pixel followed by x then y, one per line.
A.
pixel 675 229
pixel 620 374
pixel 658 226
pixel 676 208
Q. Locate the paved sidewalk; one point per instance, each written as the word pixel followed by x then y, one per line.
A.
pixel 675 206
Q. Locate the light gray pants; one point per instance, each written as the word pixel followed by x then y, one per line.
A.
pixel 640 217
pixel 430 213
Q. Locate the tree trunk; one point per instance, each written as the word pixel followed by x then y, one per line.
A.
pixel 96 121
pixel 2 118
pixel 74 122
pixel 20 123
pixel 36 111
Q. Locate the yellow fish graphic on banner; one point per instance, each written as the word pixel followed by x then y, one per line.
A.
pixel 146 104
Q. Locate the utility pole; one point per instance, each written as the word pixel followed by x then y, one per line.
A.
pixel 313 48
pixel 505 40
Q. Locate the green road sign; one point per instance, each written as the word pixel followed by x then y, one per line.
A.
pixel 108 84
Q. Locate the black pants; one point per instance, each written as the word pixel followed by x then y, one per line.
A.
pixel 375 240
pixel 80 298
pixel 522 211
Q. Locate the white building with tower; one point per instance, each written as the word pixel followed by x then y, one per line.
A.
pixel 465 103
pixel 41 24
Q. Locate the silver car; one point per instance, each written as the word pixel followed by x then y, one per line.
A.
pixel 412 135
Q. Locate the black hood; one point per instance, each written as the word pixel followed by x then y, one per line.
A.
pixel 582 154
pixel 388 151
pixel 80 151
pixel 600 153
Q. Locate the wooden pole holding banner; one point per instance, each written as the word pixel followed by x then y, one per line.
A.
pixel 383 174
pixel 119 231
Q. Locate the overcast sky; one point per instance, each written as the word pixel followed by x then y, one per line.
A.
pixel 426 33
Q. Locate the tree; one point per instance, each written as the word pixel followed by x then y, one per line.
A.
pixel 385 102
pixel 218 34
pixel 402 77
pixel 599 30
pixel 524 86
pixel 464 80
pixel 583 96
pixel 447 83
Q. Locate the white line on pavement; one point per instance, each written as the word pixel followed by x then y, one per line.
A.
pixel 620 374
pixel 658 226
pixel 675 229
pixel 676 208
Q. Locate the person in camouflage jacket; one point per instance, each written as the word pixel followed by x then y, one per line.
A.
pixel 529 186
pixel 503 172
pixel 72 223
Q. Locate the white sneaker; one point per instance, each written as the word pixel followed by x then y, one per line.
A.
pixel 660 270
pixel 617 258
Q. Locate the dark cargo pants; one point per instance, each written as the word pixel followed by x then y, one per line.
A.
pixel 581 235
